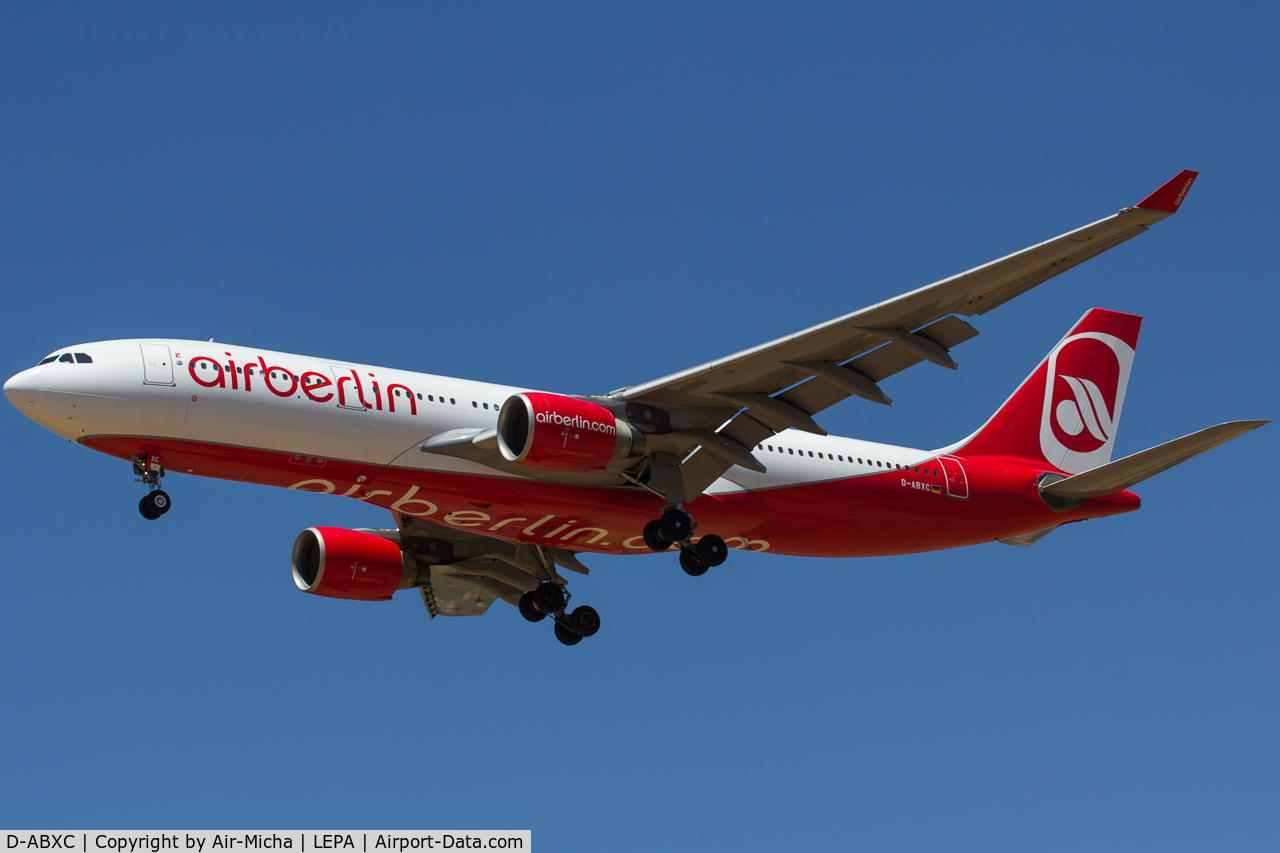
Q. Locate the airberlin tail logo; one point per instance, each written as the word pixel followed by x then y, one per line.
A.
pixel 1084 392
pixel 1088 411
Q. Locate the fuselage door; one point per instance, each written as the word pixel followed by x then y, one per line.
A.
pixel 957 482
pixel 157 364
pixel 349 392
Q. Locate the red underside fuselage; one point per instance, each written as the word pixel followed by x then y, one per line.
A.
pixel 898 511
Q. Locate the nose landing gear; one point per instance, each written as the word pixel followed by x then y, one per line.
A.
pixel 156 502
pixel 551 599
pixel 676 527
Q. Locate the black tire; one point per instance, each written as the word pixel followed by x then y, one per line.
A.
pixel 675 525
pixel 585 620
pixel 712 550
pixel 160 501
pixel 548 598
pixel 692 565
pixel 528 611
pixel 566 636
pixel 653 537
pixel 144 507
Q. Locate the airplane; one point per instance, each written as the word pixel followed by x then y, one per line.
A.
pixel 494 489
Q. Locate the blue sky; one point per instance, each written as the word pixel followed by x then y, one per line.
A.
pixel 581 197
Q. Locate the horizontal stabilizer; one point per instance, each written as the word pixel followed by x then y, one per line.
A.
pixel 1119 475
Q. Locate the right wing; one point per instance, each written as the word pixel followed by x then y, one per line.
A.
pixel 469 571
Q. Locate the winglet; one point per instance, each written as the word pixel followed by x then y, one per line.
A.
pixel 1169 196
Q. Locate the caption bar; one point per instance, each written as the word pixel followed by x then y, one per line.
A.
pixel 298 841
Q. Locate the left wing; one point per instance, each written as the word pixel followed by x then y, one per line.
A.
pixel 820 366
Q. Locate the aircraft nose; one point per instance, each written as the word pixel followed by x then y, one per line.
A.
pixel 22 387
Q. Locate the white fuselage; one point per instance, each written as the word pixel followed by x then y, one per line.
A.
pixel 181 395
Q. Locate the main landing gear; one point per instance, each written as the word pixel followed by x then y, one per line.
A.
pixel 156 502
pixel 676 527
pixel 551 599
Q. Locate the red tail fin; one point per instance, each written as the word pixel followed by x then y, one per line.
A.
pixel 1065 414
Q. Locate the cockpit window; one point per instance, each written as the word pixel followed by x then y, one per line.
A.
pixel 83 358
pixel 47 360
pixel 66 356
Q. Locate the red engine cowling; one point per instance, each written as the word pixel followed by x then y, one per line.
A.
pixel 340 563
pixel 557 433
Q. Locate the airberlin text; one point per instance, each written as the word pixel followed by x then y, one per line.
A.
pixel 349 390
pixel 519 528
pixel 577 422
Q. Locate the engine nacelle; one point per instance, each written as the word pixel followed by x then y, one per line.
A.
pixel 557 433
pixel 340 563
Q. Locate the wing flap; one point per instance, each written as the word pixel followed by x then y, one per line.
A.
pixel 817 394
pixel 460 596
pixel 702 468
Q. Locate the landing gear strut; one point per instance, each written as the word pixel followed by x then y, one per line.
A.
pixel 156 502
pixel 551 599
pixel 676 527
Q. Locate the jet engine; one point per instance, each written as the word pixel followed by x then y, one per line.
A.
pixel 340 563
pixel 557 433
